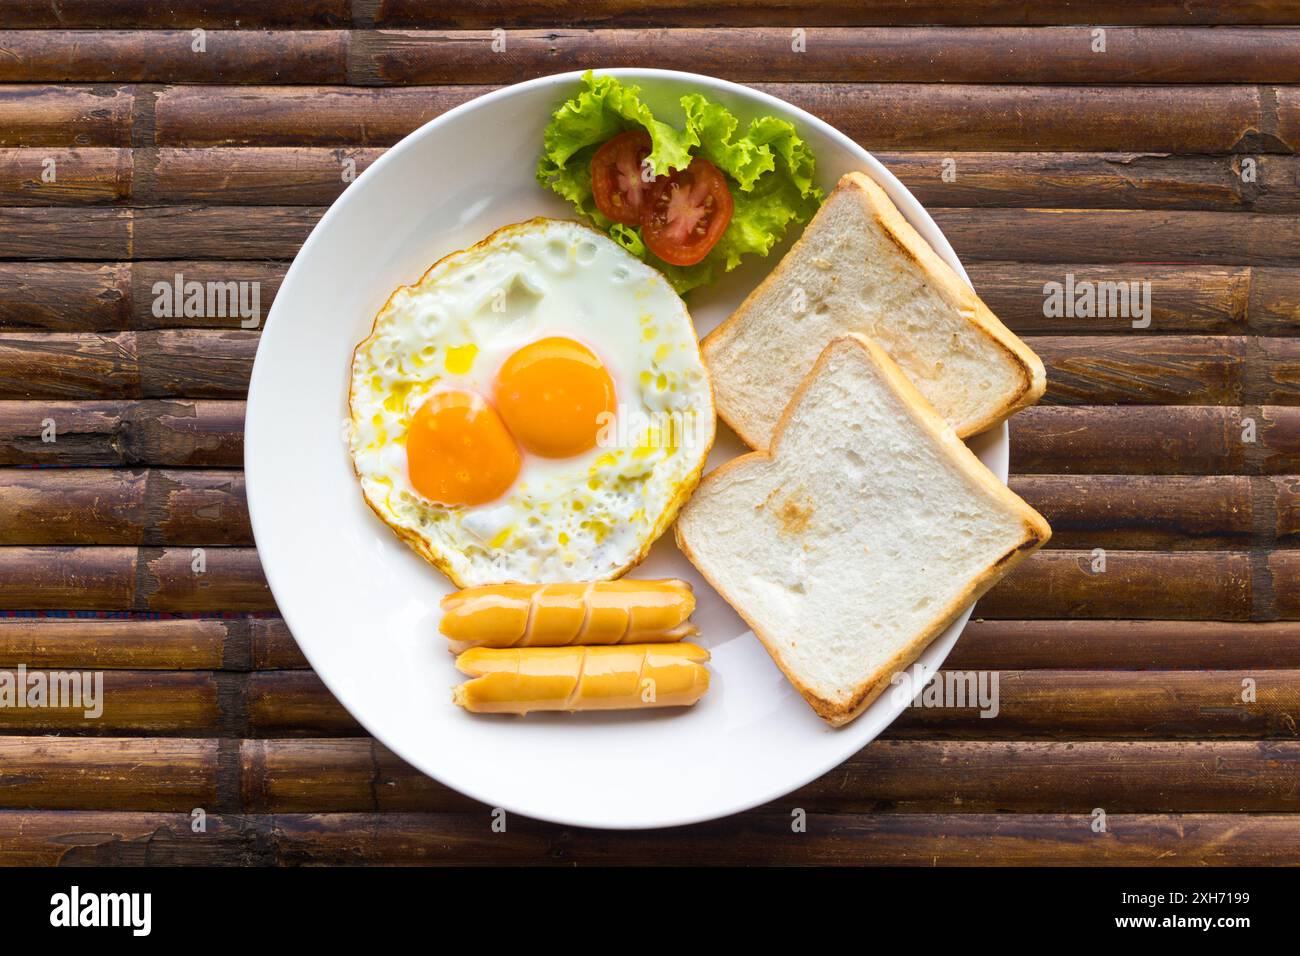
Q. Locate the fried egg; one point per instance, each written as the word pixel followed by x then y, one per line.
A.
pixel 534 409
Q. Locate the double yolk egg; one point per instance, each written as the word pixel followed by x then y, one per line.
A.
pixel 552 398
pixel 534 408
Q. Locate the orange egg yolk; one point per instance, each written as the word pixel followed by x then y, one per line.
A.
pixel 459 452
pixel 555 396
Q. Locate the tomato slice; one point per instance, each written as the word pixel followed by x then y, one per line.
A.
pixel 686 213
pixel 616 177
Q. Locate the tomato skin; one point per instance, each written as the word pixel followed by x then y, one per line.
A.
pixel 686 213
pixel 616 179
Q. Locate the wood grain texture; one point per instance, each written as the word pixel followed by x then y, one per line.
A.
pixel 1055 583
pixel 152 288
pixel 92 14
pixel 94 233
pixel 296 704
pixel 134 703
pixel 73 176
pixel 317 175
pixel 203 232
pixel 182 434
pixel 114 506
pixel 350 775
pixel 1008 55
pixel 70 773
pixel 1073 704
pixel 120 296
pixel 67 296
pixel 211 579
pixel 1048 777
pixel 1079 180
pixel 1191 119
pixel 1121 235
pixel 1091 370
pixel 1171 440
pixel 272 647
pixel 1187 440
pixel 35 176
pixel 159 507
pixel 1025 235
pixel 66 116
pixel 1031 704
pixel 228 643
pixel 333 774
pixel 1163 512
pixel 257 175
pixel 546 13
pixel 193 703
pixel 264 643
pixel 1171 449
pixel 101 838
pixel 1167 370
pixel 298 116
pixel 1196 299
pixel 1183 299
pixel 928 54
pixel 956 116
pixel 245 14
pixel 191 363
pixel 1139 585
pixel 174 56
pixel 1104 644
pixel 1065 180
pixel 123 838
pixel 1042 704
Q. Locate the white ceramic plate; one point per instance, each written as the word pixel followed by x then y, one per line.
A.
pixel 364 607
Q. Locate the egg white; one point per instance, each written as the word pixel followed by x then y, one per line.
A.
pixel 589 517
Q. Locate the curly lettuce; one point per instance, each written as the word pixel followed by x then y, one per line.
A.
pixel 769 169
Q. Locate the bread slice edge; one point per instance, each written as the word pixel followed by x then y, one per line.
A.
pixel 957 291
pixel 1035 532
pixel 954 289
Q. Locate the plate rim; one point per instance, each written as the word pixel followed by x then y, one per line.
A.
pixel 873 167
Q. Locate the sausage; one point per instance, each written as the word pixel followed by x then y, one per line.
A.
pixel 555 615
pixel 517 680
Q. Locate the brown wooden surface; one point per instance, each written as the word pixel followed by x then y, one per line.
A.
pixel 1083 370
pixel 1188 118
pixel 165 506
pixel 312 175
pixel 1196 299
pixel 44 14
pixel 1170 451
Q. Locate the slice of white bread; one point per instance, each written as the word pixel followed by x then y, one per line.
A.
pixel 861 267
pixel 863 534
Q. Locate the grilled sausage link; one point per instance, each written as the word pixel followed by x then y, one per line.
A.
pixel 555 615
pixel 516 680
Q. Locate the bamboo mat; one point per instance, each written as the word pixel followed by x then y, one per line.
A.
pixel 1169 158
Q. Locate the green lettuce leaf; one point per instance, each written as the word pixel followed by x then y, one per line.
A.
pixel 768 167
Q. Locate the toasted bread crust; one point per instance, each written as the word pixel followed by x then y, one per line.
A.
pixel 1029 367
pixel 1033 377
pixel 1036 533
